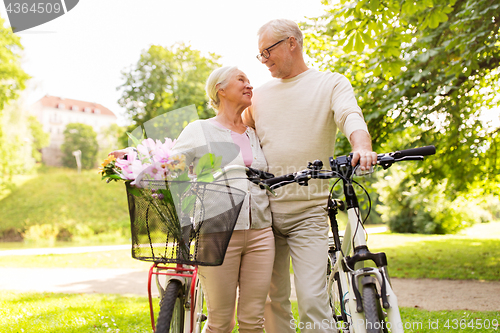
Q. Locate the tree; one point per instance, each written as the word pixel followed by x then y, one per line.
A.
pixel 109 139
pixel 40 139
pixel 424 72
pixel 12 80
pixel 165 79
pixel 79 137
pixel 12 77
pixel 17 142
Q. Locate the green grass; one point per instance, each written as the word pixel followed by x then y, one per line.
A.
pixel 458 259
pixel 474 254
pixel 59 203
pixel 423 321
pixel 49 312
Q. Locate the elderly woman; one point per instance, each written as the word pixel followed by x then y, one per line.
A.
pixel 249 258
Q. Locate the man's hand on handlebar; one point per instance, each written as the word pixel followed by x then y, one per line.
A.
pixel 362 150
pixel 366 158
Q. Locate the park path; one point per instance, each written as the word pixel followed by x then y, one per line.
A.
pixel 429 294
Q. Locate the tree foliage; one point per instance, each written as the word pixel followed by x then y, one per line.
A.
pixel 79 137
pixel 40 139
pixel 19 142
pixel 12 76
pixel 165 79
pixel 109 140
pixel 424 73
pixel 12 80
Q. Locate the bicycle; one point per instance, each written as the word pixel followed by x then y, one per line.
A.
pixel 179 225
pixel 361 298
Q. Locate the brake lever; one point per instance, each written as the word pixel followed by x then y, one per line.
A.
pixel 302 178
pixel 266 187
pixel 386 161
pixel 410 158
pixel 263 186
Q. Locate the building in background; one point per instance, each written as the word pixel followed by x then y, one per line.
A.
pixel 55 113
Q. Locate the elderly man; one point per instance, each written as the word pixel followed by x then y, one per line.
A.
pixel 296 117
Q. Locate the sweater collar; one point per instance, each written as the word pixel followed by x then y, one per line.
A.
pixel 298 77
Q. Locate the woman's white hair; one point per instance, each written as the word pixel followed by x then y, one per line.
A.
pixel 283 28
pixel 218 79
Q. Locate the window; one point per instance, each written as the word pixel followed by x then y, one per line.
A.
pixel 97 111
pixel 88 109
pixel 61 106
pixel 75 108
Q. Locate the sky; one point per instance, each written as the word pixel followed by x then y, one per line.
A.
pixel 81 54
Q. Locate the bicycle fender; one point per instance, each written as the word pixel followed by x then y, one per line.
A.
pixel 181 279
pixel 383 293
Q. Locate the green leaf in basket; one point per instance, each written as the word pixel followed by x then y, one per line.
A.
pixel 135 191
pixel 111 176
pixel 204 163
pixel 205 177
pixel 188 202
pixel 207 164
pixel 217 162
pixel 134 139
pixel 184 177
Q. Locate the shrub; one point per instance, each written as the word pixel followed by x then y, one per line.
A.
pixel 41 232
pixel 79 137
pixel 422 207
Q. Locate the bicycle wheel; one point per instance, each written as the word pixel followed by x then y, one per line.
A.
pixel 200 311
pixel 371 304
pixel 171 316
pixel 335 295
pixel 335 300
pixel 338 303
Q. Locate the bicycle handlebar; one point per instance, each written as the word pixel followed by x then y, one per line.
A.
pixel 341 168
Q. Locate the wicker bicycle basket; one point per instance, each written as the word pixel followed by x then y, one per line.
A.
pixel 182 222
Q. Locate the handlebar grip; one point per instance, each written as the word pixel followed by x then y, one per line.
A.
pixel 276 180
pixel 421 151
pixel 261 174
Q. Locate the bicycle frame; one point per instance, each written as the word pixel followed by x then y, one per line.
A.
pixel 187 275
pixel 350 269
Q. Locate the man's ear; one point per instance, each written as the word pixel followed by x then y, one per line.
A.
pixel 293 43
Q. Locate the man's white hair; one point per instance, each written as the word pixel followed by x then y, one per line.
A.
pixel 218 79
pixel 283 28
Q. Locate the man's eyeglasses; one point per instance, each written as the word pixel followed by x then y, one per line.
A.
pixel 266 53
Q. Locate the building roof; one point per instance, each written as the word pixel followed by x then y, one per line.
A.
pixel 75 105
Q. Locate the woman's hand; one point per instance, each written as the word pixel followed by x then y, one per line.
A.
pixel 119 153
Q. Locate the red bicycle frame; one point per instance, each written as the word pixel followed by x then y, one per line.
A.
pixel 179 271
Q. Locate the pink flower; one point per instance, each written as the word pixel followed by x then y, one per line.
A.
pixel 154 171
pixel 163 151
pixel 127 164
pixel 147 148
pixel 152 160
